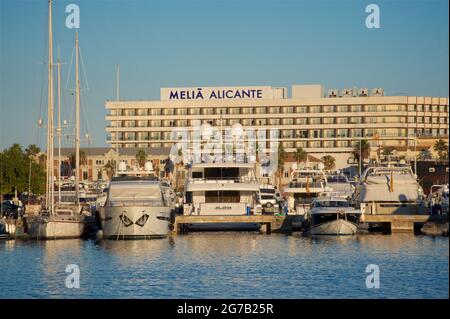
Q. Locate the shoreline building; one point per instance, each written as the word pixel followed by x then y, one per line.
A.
pixel 322 123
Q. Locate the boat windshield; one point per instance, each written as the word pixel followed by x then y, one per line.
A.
pixel 331 203
pixel 337 179
pixel 136 194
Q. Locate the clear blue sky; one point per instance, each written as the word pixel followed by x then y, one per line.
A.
pixel 216 43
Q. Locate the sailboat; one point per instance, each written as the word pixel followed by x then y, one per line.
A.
pixel 58 220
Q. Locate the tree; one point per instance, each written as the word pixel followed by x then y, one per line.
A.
pixel 300 155
pixel 424 154
pixel 83 159
pixel 19 172
pixel 32 150
pixel 363 147
pixel 141 157
pixel 282 155
pixel 441 147
pixel 329 162
pixel 110 168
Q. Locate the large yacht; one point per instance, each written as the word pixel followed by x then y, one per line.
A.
pixel 221 189
pixel 305 185
pixel 389 190
pixel 332 216
pixel 136 207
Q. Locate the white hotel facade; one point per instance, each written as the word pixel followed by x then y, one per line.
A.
pixel 320 122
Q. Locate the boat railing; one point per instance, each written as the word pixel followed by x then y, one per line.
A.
pixel 298 184
pixel 241 179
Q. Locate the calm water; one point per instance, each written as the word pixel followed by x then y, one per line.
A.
pixel 228 265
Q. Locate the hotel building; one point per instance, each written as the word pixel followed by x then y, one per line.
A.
pixel 320 122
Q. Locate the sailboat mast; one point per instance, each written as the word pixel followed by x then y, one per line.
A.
pixel 59 128
pixel 49 203
pixel 77 123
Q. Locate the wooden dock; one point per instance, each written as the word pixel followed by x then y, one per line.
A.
pixel 401 223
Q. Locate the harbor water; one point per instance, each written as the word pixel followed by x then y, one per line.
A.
pixel 228 265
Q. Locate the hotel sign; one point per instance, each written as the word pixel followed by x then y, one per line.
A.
pixel 222 93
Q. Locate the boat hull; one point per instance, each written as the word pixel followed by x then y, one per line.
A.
pixel 53 228
pixel 332 224
pixel 135 222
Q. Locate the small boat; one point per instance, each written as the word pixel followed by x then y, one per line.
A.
pixel 332 216
pixel 340 185
pixel 438 199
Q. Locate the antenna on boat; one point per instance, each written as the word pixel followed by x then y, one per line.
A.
pixel 117 115
pixel 58 129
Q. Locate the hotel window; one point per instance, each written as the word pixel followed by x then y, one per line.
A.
pixel 441 108
pixel 194 111
pixel 302 144
pixel 181 112
pixel 129 123
pixel 233 121
pixel 427 119
pixel 401 108
pixel 155 135
pixel 142 136
pixel 142 112
pixel 314 134
pixel 314 144
pixel 328 109
pixel 288 144
pixel 301 121
pixel 234 110
pixel 247 110
pixel 286 174
pixel 356 132
pixel 129 136
pixel 342 108
pixel 427 108
pixel 181 123
pixel 419 108
pixel 342 132
pixel 247 122
pixel 356 108
pixel 434 120
pixel 442 132
pixel 302 134
pixel 328 133
pixel 419 119
pixel 288 109
pixel 371 132
pixel 155 123
pixel 142 123
pixel 288 121
pixel 442 120
pixel 301 109
pixel 261 121
pixel 274 110
pixel 342 120
pixel 221 110
pixel 411 119
pixel 155 111
pixel 130 112
pixel 314 120
pixel 288 134
pixel 165 136
pixel 328 120
pixel 207 111
pixel 371 108
pixel 328 144
pixel 356 120
pixel 314 109
pixel 168 123
pixel 260 110
pixel 411 107
pixel 274 121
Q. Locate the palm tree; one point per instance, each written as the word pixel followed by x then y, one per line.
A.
pixel 300 155
pixel 363 147
pixel 441 147
pixel 282 155
pixel 388 150
pixel 141 157
pixel 329 162
pixel 110 168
